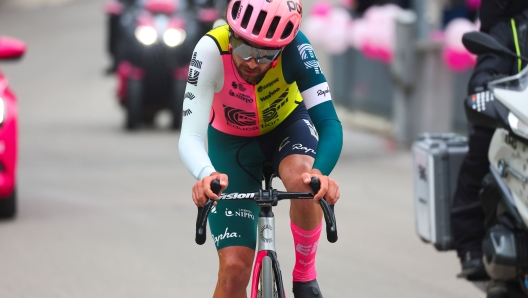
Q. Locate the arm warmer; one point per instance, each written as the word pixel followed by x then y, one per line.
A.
pixel 197 107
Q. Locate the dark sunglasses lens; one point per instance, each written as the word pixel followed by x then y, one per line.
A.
pixel 247 52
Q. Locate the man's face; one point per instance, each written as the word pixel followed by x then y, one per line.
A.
pixel 250 70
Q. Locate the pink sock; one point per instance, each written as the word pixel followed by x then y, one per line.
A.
pixel 305 249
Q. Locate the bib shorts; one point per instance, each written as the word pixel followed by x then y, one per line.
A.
pixel 234 223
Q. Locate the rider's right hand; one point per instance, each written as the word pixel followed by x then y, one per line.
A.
pixel 202 189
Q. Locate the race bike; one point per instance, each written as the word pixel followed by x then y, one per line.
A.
pixel 153 47
pixel 504 194
pixel 10 49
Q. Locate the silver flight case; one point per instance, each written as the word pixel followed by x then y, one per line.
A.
pixel 437 159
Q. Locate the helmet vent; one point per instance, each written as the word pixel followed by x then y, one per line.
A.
pixel 234 10
pixel 247 16
pixel 260 22
pixel 273 27
pixel 287 31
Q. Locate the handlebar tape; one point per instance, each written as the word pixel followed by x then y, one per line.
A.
pixel 328 211
pixel 203 212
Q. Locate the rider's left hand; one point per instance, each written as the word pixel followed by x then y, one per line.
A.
pixel 329 188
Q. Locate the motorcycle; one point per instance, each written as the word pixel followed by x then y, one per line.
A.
pixel 10 49
pixel 504 196
pixel 153 49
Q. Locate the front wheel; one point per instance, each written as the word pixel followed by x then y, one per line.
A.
pixel 267 286
pixel 133 104
pixel 176 103
pixel 8 206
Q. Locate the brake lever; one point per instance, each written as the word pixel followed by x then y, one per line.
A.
pixel 328 211
pixel 203 212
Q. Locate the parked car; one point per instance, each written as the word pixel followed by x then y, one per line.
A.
pixel 152 47
pixel 10 49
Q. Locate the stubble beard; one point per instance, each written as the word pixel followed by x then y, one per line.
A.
pixel 250 79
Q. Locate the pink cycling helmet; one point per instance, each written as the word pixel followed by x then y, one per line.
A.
pixel 271 23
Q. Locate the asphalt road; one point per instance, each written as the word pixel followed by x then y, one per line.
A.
pixel 105 213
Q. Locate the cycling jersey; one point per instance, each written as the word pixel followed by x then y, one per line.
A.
pixel 257 108
pixel 215 91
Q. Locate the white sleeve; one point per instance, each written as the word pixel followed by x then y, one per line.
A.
pixel 316 95
pixel 204 79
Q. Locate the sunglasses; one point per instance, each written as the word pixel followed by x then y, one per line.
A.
pixel 247 52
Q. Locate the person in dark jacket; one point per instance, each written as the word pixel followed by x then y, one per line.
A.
pixel 506 21
pixel 113 34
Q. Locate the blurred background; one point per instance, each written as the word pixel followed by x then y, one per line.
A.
pixel 103 205
pixel 399 66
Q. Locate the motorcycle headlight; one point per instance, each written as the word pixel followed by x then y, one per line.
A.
pixel 146 35
pixel 174 37
pixel 518 126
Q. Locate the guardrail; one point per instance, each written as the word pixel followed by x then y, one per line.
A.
pixel 416 93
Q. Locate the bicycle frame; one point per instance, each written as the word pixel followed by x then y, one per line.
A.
pixel 266 246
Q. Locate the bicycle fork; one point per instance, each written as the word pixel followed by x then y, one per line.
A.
pixel 266 270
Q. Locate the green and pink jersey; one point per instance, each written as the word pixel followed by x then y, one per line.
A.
pixel 217 95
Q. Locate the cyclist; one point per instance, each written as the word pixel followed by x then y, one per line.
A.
pixel 507 21
pixel 256 92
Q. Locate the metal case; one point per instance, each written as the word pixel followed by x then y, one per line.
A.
pixel 437 159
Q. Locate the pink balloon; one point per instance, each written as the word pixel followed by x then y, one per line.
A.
pixel 454 31
pixel 315 28
pixel 473 4
pixel 455 55
pixel 321 9
pixel 335 41
pixel 387 36
pixel 389 12
pixel 375 35
pixel 377 53
pixel 335 35
pixel 458 61
pixel 386 56
pixel 369 51
pixel 338 18
pixel 374 38
pixel 358 34
pixel 328 22
pixel 384 13
pixel 374 14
